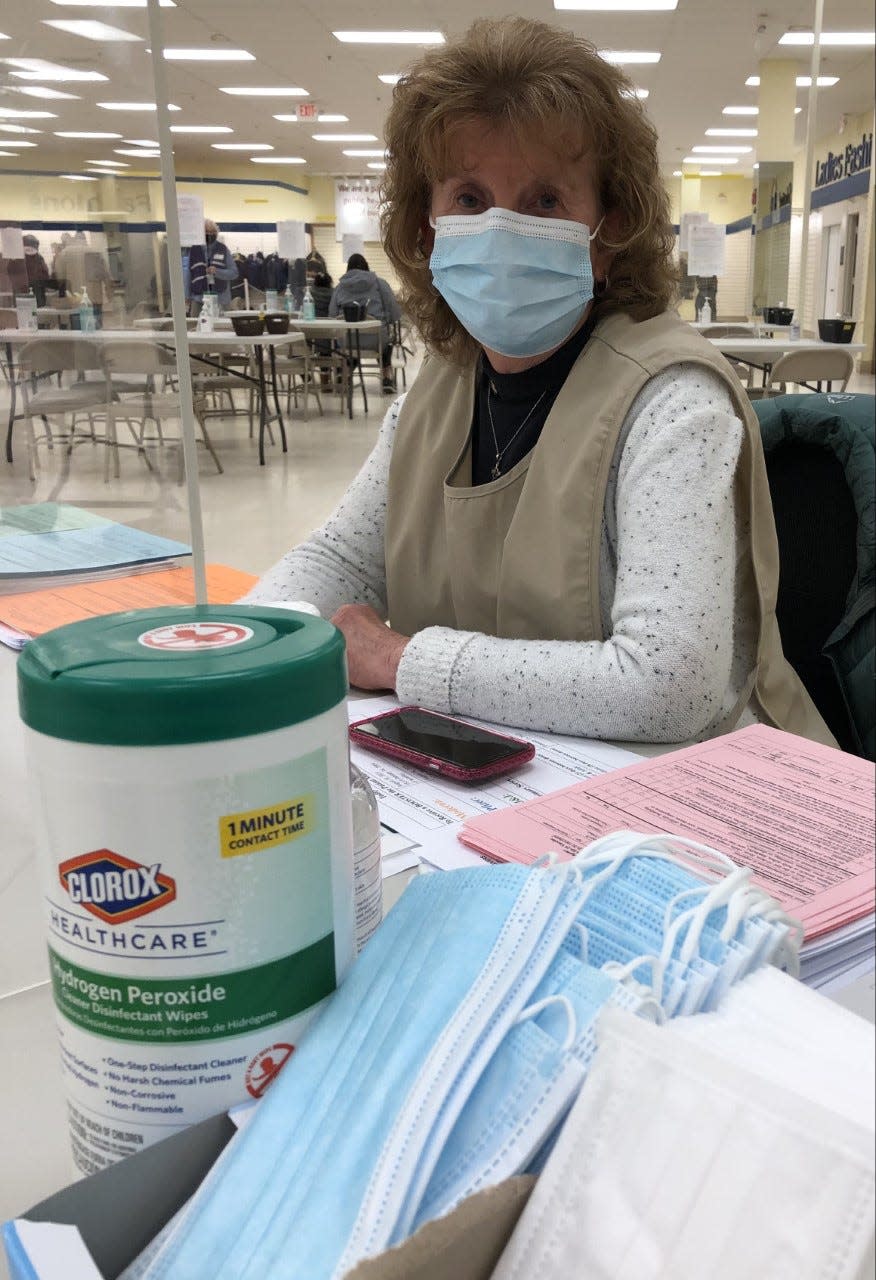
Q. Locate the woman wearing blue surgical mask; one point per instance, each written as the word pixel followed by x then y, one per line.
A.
pixel 566 519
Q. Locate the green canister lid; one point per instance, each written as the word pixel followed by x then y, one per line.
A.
pixel 200 673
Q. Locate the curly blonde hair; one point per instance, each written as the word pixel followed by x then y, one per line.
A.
pixel 539 81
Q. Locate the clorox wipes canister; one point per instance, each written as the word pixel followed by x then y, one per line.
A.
pixel 191 776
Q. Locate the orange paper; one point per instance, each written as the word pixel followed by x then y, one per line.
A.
pixel 36 612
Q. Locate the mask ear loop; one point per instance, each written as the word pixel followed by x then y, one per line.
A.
pixel 711 863
pixel 722 893
pixel 568 1008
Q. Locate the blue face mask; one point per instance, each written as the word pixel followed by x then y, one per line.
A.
pixel 527 1088
pixel 433 994
pixel 517 284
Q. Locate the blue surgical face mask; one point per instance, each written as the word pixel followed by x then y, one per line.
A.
pixel 517 284
pixel 429 1000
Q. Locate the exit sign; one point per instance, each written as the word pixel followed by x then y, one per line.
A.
pixel 306 111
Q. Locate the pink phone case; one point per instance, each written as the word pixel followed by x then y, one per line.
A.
pixel 432 764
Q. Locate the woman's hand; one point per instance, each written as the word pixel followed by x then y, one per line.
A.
pixel 373 649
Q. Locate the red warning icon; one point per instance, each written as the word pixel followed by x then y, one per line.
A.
pixel 186 637
pixel 265 1066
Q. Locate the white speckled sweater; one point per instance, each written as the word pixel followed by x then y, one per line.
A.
pixel 680 643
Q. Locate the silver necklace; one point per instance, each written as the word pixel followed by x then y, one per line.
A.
pixel 500 453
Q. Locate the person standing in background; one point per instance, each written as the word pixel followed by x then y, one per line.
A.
pixel 37 271
pixel 360 284
pixel 78 268
pixel 220 266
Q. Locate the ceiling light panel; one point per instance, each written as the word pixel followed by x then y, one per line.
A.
pixel 217 54
pixel 628 57
pixel 135 106
pixel 363 154
pixel 716 151
pixel 710 160
pixel 113 164
pixel 389 37
pixel 17 142
pixel 278 160
pixel 377 164
pixel 76 177
pixel 740 111
pixel 290 119
pixel 260 91
pixel 10 113
pixel 391 77
pixel 201 128
pixel 241 146
pixel 617 6
pixel 75 133
pixel 731 133
pixel 802 82
pixel 18 128
pixel 88 29
pixel 344 137
pixel 137 153
pixel 42 91
pixel 839 39
pixel 41 69
pixel 148 143
pixel 112 4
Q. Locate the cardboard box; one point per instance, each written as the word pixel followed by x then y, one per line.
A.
pixel 119 1210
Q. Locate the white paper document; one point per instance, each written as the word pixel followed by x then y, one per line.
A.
pixel 428 810
pixel 706 249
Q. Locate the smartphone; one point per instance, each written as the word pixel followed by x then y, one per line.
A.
pixel 441 744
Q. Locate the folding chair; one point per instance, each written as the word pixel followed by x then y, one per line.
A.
pixel 815 365
pixel 146 358
pixel 43 358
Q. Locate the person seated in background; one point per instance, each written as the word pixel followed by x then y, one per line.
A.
pixel 360 284
pixel 321 291
pixel 566 519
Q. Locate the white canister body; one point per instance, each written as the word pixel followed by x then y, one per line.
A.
pixel 198 906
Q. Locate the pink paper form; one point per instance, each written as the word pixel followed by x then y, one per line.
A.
pixel 799 814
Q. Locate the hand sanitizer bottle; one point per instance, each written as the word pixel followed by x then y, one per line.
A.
pixel 288 301
pixel 207 314
pixel 706 313
pixel 86 313
pixel 308 306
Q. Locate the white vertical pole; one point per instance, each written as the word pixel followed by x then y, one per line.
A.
pixel 810 157
pixel 178 303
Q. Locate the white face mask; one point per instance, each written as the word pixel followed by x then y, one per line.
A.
pixel 676 1165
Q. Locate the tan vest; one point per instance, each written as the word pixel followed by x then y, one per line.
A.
pixel 519 557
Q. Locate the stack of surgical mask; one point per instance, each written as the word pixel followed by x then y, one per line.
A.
pixel 648 913
pixel 454 1050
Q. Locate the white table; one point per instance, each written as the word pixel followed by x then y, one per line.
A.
pixel 754 327
pixel 36 1153
pixel 206 343
pixel 762 353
